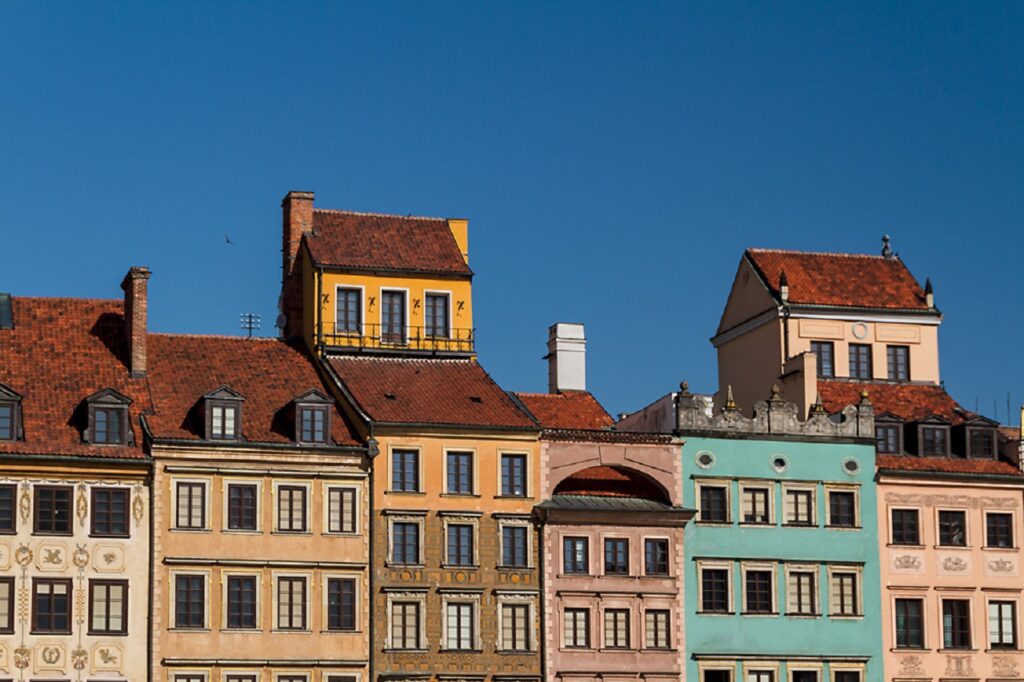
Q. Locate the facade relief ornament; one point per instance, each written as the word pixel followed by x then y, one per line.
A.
pixel 79 658
pixel 82 503
pixel 959 666
pixel 935 500
pixel 52 558
pixel 138 506
pixel 1001 566
pixel 954 564
pixel 81 556
pixel 25 503
pixel 906 562
pixel 106 657
pixel 22 657
pixel 108 558
pixel 1005 666
pixel 5 556
pixel 23 555
pixel 911 666
pixel 50 657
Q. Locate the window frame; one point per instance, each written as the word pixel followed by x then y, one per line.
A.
pixel 922 631
pixel 892 427
pixel 812 505
pixel 714 484
pixel 768 488
pixel 987 514
pixel 620 546
pixel 667 556
pixel 727 568
pixel 527 472
pixel 577 611
pixel 36 504
pixel 204 486
pixel 666 631
pixel 1013 645
pixel 447 296
pixel 390 338
pixel 419 601
pixel 344 617
pixel 853 491
pixel 417 521
pixel 105 582
pixel 515 603
pixel 93 506
pixel 619 617
pixel 940 525
pixel 226 615
pixel 855 369
pixel 460 453
pixel 971 432
pixel 922 444
pixel 12 597
pixel 820 362
pixel 342 491
pixel 292 487
pixel 303 580
pixel 746 568
pixel 396 475
pixel 792 570
pixel 11 488
pixel 204 583
pixel 460 602
pixel 576 540
pixel 967 617
pixel 301 409
pixel 257 487
pixel 465 530
pixel 893 362
pixel 858 588
pixel 69 597
pixel 919 540
pixel 360 325
pixel 523 524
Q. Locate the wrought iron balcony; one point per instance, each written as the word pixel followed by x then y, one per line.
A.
pixel 397 339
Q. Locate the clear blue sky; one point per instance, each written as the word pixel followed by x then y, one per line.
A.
pixel 614 160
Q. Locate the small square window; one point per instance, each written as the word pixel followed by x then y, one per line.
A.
pixel 953 528
pixel 223 421
pixel 52 510
pixel 887 439
pixel 842 509
pixel 110 512
pixel 982 442
pixel 934 441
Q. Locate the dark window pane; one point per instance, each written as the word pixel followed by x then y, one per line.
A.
pixel 715 590
pixel 713 504
pixel 933 440
pixel 513 475
pixel 242 507
pixel 899 362
pixel 460 544
pixel 241 602
pixel 348 314
pixel 436 315
pixel 982 442
pixel 998 529
pixel 759 591
pixel 575 555
pixel 107 425
pixel 616 556
pixel 6 421
pixel 909 623
pixel 656 557
pixel 314 424
pixel 405 543
pixel 8 518
pixel 53 510
pixel 824 351
pixel 842 511
pixel 392 317
pixel 460 473
pixel 189 601
pixel 405 471
pixel 888 439
pixel 860 361
pixel 953 528
pixel 110 511
pixel 956 624
pixel 341 604
pixel 905 527
pixel 513 546
pixel 51 606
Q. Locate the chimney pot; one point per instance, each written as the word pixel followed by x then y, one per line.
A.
pixel 567 357
pixel 136 309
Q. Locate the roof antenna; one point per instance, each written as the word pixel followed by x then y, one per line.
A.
pixel 250 322
pixel 886 249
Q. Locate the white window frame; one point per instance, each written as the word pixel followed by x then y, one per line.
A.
pixel 458 519
pixel 925 633
pixel 207 484
pixel 837 667
pixel 855 489
pixel 761 667
pixel 1008 598
pixel 759 566
pixel 1013 525
pixel 228 674
pixel 967 528
pixel 804 667
pixel 591 610
pixel 813 569
pixel 474 462
pixel 512 598
pixel 357 601
pixel 225 483
pixel 472 598
pixel 704 667
pixel 290 483
pixel 172 589
pixel 390 465
pixel 730 514
pixel 362 308
pixel 418 597
pixel 642 550
pixel 233 573
pixel 727 566
pixel 755 484
pixel 308 606
pixel 858 572
pixel 527 475
pixel 356 508
pixel 418 519
pixel 451 311
pixel 617 605
pixel 520 522
pixel 668 608
pixel 800 487
pixel 173 676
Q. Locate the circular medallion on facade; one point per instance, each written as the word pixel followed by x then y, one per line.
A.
pixel 851 466
pixel 779 462
pixel 705 459
pixel 859 330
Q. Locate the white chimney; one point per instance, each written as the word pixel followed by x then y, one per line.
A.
pixel 567 358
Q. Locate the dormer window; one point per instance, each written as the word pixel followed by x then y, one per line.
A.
pixel 934 441
pixel 982 442
pixel 10 414
pixel 313 418
pixel 888 434
pixel 108 419
pixel 223 414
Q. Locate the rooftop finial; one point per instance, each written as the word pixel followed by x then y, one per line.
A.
pixel 886 248
pixel 684 387
pixel 817 408
pixel 730 402
pixel 929 293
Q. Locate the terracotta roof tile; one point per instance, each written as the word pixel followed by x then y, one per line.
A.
pixel 268 373
pixel 428 391
pixel 910 402
pixel 386 242
pixel 953 465
pixel 569 410
pixel 61 351
pixel 609 481
pixel 840 279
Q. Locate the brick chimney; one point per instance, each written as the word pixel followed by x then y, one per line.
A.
pixel 297 214
pixel 136 307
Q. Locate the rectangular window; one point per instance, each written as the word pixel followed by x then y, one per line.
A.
pixel 460 473
pixel 110 512
pixel 189 601
pixel 460 544
pixel 755 505
pixel 392 317
pixel 575 555
pixel 51 606
pixel 998 529
pixel 905 527
pixel 953 528
pixel 805 676
pixel 6 421
pixel 405 471
pixel 887 439
pixel 847 676
pixel 313 425
pixel 191 505
pixel 514 541
pixel 616 556
pixel 982 442
pixel 956 624
pixel 460 626
pixel 341 510
pixel 513 475
pixel 515 627
pixel 341 604
pixel 655 557
pixel 934 441
pixel 348 315
pixel 909 624
pixel 241 506
pixel 716 676
pixel 801 590
pixel 291 603
pixel 760 676
pixel 825 352
pixel 845 594
pixel 405 543
pixel 405 625
pixel 107 423
pixel 842 509
pixel 860 361
pixel 435 317
pixel 8 518
pixel 1002 624
pixel 189 678
pixel 223 422
pixel 53 510
pixel 759 591
pixel 899 362
pixel 714 590
pixel 108 607
pixel 241 602
pixel 799 507
pixel 291 508
pixel 6 605
pixel 616 628
pixel 657 634
pixel 577 628
pixel 713 504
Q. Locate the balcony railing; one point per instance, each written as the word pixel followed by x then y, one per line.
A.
pixel 376 337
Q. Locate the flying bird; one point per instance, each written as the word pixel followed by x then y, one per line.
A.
pixel 228 239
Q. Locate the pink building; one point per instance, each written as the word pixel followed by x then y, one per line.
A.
pixel 612 545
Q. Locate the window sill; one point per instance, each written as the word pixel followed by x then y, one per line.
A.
pixel 953 547
pixel 713 523
pixel 191 530
pixel 394 565
pixel 514 497
pixel 617 650
pixel 341 534
pixel 808 616
pixel 462 495
pixel 716 613
pixel 296 533
pixel 340 632
pixel 575 575
pixel 443 650
pixel 101 633
pixel 800 525
pixel 762 614
pixel 104 536
pixel 514 568
pixel 181 629
pixel 1000 549
pixel 410 493
pixel 846 616
pixel 37 533
pixel 240 631
pixel 48 633
pixel 303 631
pixel 1003 650
pixel 389 650
pixel 756 524
pixel 964 650
pixel 515 652
pixel 910 649
pixel 906 545
pixel 835 527
pixel 242 531
pixel 461 567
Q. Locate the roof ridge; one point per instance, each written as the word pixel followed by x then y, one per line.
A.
pixel 216 336
pixel 795 252
pixel 66 298
pixel 378 358
pixel 372 214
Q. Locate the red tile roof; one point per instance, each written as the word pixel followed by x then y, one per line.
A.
pixel 840 279
pixel 569 410
pixel 384 242
pixel 268 373
pixel 947 465
pixel 608 481
pixel 428 391
pixel 910 402
pixel 61 351
pixel 608 436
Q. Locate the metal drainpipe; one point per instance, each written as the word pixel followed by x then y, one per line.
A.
pixel 370 568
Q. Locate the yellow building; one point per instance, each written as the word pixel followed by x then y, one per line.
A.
pixel 386 302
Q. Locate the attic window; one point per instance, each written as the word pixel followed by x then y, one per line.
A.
pixel 934 441
pixel 108 419
pixel 223 414
pixel 313 418
pixel 982 442
pixel 10 414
